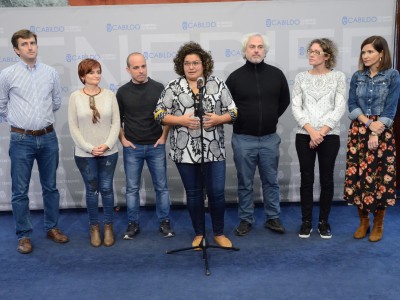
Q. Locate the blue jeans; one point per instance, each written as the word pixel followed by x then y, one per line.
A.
pixel 327 152
pixel 98 173
pixel 24 149
pixel 157 164
pixel 250 152
pixel 214 173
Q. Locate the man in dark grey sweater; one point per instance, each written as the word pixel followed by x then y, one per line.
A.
pixel 143 139
pixel 261 94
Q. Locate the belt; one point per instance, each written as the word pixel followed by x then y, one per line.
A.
pixel 33 132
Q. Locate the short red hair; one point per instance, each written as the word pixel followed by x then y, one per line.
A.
pixel 86 66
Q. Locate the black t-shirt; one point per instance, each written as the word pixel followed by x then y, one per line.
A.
pixel 136 106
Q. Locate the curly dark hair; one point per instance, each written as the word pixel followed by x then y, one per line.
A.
pixel 193 48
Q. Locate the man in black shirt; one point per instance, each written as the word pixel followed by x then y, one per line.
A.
pixel 261 94
pixel 143 139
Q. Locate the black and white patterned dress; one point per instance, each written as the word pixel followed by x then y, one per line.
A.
pixel 178 99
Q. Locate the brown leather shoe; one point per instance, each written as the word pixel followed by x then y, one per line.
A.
pixel 57 236
pixel 108 235
pixel 95 239
pixel 24 246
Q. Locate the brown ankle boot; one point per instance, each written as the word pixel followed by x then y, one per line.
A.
pixel 377 229
pixel 108 235
pixel 95 239
pixel 363 228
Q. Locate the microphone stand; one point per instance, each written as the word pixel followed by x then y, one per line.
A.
pixel 204 245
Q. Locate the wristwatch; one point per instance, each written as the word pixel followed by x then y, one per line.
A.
pixel 373 133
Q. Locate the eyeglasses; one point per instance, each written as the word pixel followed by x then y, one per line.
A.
pixel 195 63
pixel 316 52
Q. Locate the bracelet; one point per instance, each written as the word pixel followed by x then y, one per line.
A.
pixel 368 123
pixel 373 133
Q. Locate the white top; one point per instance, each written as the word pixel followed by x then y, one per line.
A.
pixel 319 100
pixel 84 132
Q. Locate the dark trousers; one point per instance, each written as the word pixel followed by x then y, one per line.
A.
pixel 214 175
pixel 327 152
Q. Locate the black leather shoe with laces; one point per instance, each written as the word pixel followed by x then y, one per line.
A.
pixel 243 228
pixel 275 225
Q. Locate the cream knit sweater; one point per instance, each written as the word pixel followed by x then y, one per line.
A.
pixel 87 135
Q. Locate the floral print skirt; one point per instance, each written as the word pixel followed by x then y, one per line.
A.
pixel 370 181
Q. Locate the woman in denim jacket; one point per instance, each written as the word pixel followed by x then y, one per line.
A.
pixel 371 167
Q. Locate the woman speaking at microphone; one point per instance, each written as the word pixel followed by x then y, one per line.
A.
pixel 192 141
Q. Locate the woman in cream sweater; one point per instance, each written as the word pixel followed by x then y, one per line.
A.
pixel 94 124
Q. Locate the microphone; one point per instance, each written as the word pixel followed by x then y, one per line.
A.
pixel 198 104
pixel 200 82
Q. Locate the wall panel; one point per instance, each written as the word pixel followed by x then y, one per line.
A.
pixel 109 33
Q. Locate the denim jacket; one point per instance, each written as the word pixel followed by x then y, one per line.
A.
pixel 377 96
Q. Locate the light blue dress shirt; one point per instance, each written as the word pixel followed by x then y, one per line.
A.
pixel 29 96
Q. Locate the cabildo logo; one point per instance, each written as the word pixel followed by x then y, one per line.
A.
pixel 9 59
pixel 188 25
pixel 232 53
pixel 78 57
pixel 357 20
pixel 302 51
pixel 113 87
pixel 37 29
pixel 282 22
pixel 122 27
pixel 159 55
pixel 65 89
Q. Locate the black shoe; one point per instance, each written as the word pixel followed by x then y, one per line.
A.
pixel 243 228
pixel 132 230
pixel 165 228
pixel 324 230
pixel 275 225
pixel 305 230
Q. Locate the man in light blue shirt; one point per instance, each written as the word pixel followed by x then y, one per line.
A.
pixel 29 96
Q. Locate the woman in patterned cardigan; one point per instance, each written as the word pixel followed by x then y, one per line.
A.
pixel 196 134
